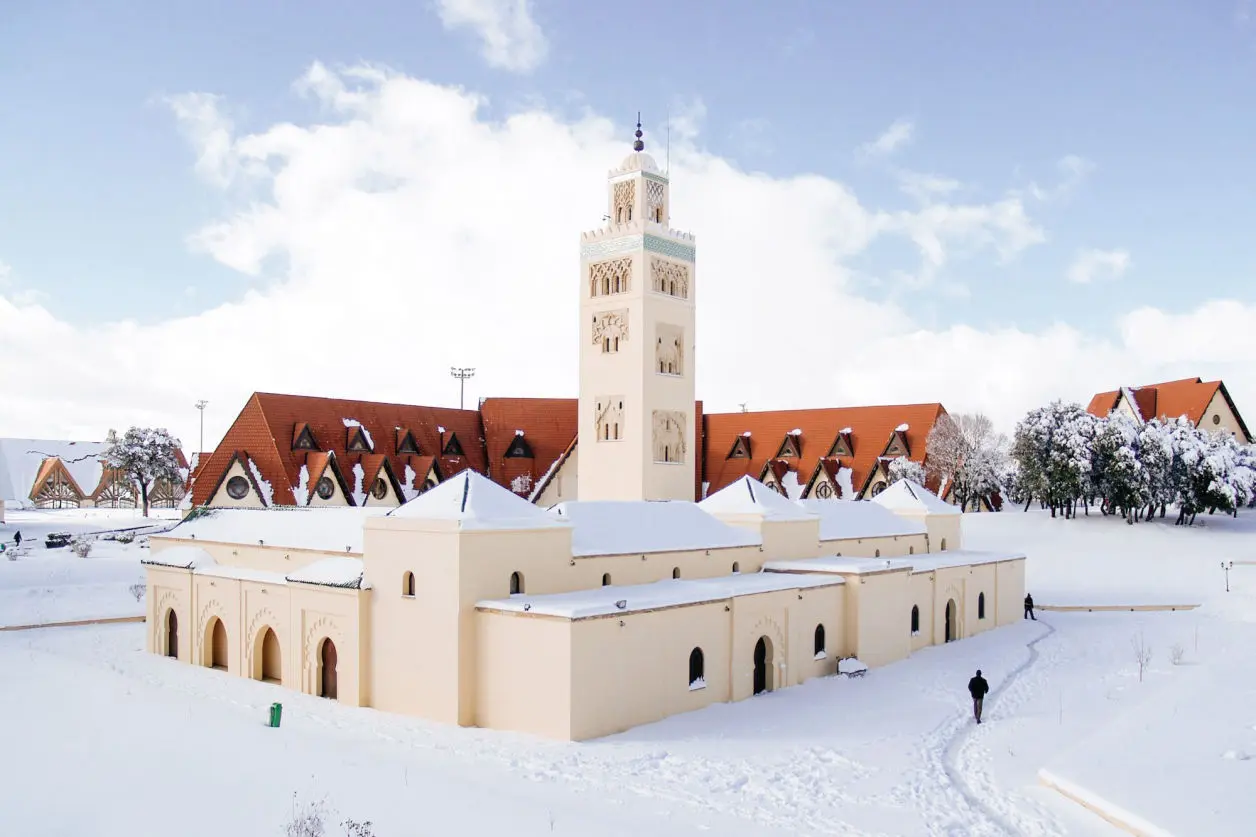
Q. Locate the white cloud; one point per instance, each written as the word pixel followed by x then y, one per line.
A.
pixel 510 38
pixel 414 234
pixel 1090 265
pixel 894 137
pixel 1073 171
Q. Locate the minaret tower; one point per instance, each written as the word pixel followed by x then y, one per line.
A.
pixel 636 420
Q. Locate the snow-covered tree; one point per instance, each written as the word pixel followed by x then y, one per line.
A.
pixel 966 454
pixel 902 468
pixel 1052 452
pixel 1116 471
pixel 147 455
pixel 1155 453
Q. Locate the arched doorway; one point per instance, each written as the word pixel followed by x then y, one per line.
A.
pixel 172 634
pixel 763 665
pixel 217 656
pixel 327 669
pixel 950 620
pixel 267 658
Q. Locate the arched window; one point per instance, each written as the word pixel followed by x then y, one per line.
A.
pixel 675 572
pixel 606 579
pixel 944 544
pixel 407 584
pixel 819 641
pixel 697 669
pixel 911 550
pixel 915 619
pixel 981 605
pixel 516 584
pixel 878 555
pixel 736 567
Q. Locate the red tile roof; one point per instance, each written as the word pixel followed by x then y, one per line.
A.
pixel 1188 397
pixel 548 425
pixel 872 429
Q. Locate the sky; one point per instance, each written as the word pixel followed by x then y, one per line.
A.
pixel 986 204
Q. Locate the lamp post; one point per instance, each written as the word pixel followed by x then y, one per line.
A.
pixel 200 405
pixel 462 373
pixel 1227 568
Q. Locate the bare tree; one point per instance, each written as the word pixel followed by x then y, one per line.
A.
pixel 1176 654
pixel 1142 654
pixel 138 590
pixel 966 455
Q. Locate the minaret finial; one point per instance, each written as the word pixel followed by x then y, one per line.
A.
pixel 638 145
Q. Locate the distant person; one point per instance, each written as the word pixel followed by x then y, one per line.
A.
pixel 17 538
pixel 978 688
pixel 1029 607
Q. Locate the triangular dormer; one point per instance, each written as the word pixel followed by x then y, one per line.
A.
pixel 357 441
pixel 897 445
pixel 406 443
pixel 326 485
pixel 453 447
pixel 741 448
pixel 303 437
pixel 843 445
pixel 519 448
pixel 790 447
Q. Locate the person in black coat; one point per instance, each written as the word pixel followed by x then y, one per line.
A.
pixel 978 688
pixel 17 538
pixel 1029 607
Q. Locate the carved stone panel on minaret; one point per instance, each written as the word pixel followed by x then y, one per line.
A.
pixel 610 329
pixel 669 277
pixel 669 350
pixel 610 277
pixel 608 417
pixel 669 436
pixel 625 196
pixel 655 201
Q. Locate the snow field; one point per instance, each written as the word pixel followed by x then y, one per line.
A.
pixel 893 753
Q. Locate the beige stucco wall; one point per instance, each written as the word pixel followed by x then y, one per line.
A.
pixel 523 666
pixel 921 596
pixel 563 485
pixel 878 610
pixel 1219 418
pixel 300 615
pixel 1010 584
pixel 221 499
pixel 885 547
pixel 639 568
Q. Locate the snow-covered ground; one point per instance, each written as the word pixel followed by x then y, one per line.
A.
pixel 40 585
pixel 150 746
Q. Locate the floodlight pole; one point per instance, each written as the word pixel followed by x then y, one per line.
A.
pixel 1227 568
pixel 201 405
pixel 462 373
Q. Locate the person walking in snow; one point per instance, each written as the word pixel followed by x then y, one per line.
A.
pixel 978 688
pixel 1029 607
pixel 17 538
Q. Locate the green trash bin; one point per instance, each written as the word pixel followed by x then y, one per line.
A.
pixel 276 714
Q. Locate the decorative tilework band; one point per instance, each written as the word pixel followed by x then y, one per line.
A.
pixel 653 243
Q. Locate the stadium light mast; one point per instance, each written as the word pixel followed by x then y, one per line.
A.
pixel 462 373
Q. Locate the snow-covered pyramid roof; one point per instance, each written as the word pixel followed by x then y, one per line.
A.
pixel 843 519
pixel 476 502
pixel 749 496
pixel 909 496
pixel 610 527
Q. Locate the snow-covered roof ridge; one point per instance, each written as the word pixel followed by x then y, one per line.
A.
pixel 333 572
pixel 749 496
pixel 476 502
pixel 908 495
pixel 179 557
pixel 336 529
pixel 603 601
pixel 20 460
pixel 609 527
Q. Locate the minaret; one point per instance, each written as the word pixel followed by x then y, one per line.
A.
pixel 636 418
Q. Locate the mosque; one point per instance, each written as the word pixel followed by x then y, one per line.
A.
pixel 469 604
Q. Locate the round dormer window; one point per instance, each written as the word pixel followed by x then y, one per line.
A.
pixel 325 488
pixel 237 487
pixel 1216 419
pixel 824 490
pixel 380 491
